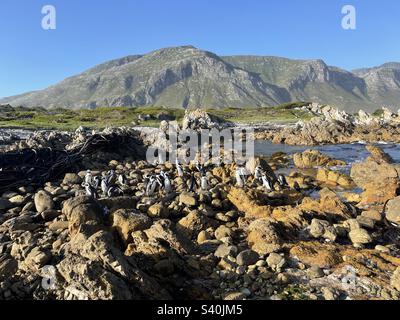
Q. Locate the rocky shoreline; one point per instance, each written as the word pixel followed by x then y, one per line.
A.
pixel 332 126
pixel 328 125
pixel 310 238
pixel 223 242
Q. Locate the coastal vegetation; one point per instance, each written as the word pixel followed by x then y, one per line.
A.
pixel 99 118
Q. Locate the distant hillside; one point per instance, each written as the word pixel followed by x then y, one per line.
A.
pixel 188 77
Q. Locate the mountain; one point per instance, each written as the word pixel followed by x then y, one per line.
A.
pixel 189 77
pixel 308 80
pixel 383 83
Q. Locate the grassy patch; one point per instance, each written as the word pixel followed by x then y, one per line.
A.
pixel 293 292
pixel 282 113
pixel 99 118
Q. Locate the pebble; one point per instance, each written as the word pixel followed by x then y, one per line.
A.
pixel 395 279
pixel 203 236
pixel 315 272
pixel 246 292
pixel 329 293
pixel 382 249
pixel 275 261
pixel 222 232
pixel 224 250
pixel 360 236
pixel 247 257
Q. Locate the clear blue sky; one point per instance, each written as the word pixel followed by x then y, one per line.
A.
pixel 93 31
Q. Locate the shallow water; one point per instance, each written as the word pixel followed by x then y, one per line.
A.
pixel 350 153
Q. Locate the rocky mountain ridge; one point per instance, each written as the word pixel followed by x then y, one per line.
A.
pixel 188 77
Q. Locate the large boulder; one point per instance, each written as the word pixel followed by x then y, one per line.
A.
pixel 117 203
pixel 316 254
pixel 365 119
pixel 314 158
pixel 371 172
pixel 193 223
pixel 380 181
pixel 198 119
pixel 82 210
pixel 158 210
pixel 8 267
pixel 72 178
pixel 334 178
pixel 393 210
pixel 95 269
pixel 329 205
pixel 245 203
pixel 293 218
pixel 126 221
pixel 37 258
pixel 378 155
pixel 263 236
pixel 360 236
pixel 188 198
pixel 316 131
pixel 247 257
pixel 162 240
pixel 322 229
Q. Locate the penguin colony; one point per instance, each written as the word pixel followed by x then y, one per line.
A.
pixel 111 185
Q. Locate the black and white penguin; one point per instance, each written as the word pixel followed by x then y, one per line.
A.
pixel 151 186
pixel 282 180
pixel 296 186
pixel 204 183
pixel 110 177
pixel 179 168
pixel 167 183
pixel 122 180
pixel 160 179
pixel 267 183
pixel 193 185
pixel 240 181
pixel 104 185
pixel 200 168
pixel 96 180
pixel 88 177
pixel 114 191
pixel 90 191
pixel 258 173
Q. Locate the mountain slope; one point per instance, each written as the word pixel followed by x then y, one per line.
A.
pixel 176 77
pixel 309 80
pixel 383 83
pixel 189 77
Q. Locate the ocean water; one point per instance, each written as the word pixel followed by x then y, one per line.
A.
pixel 350 153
